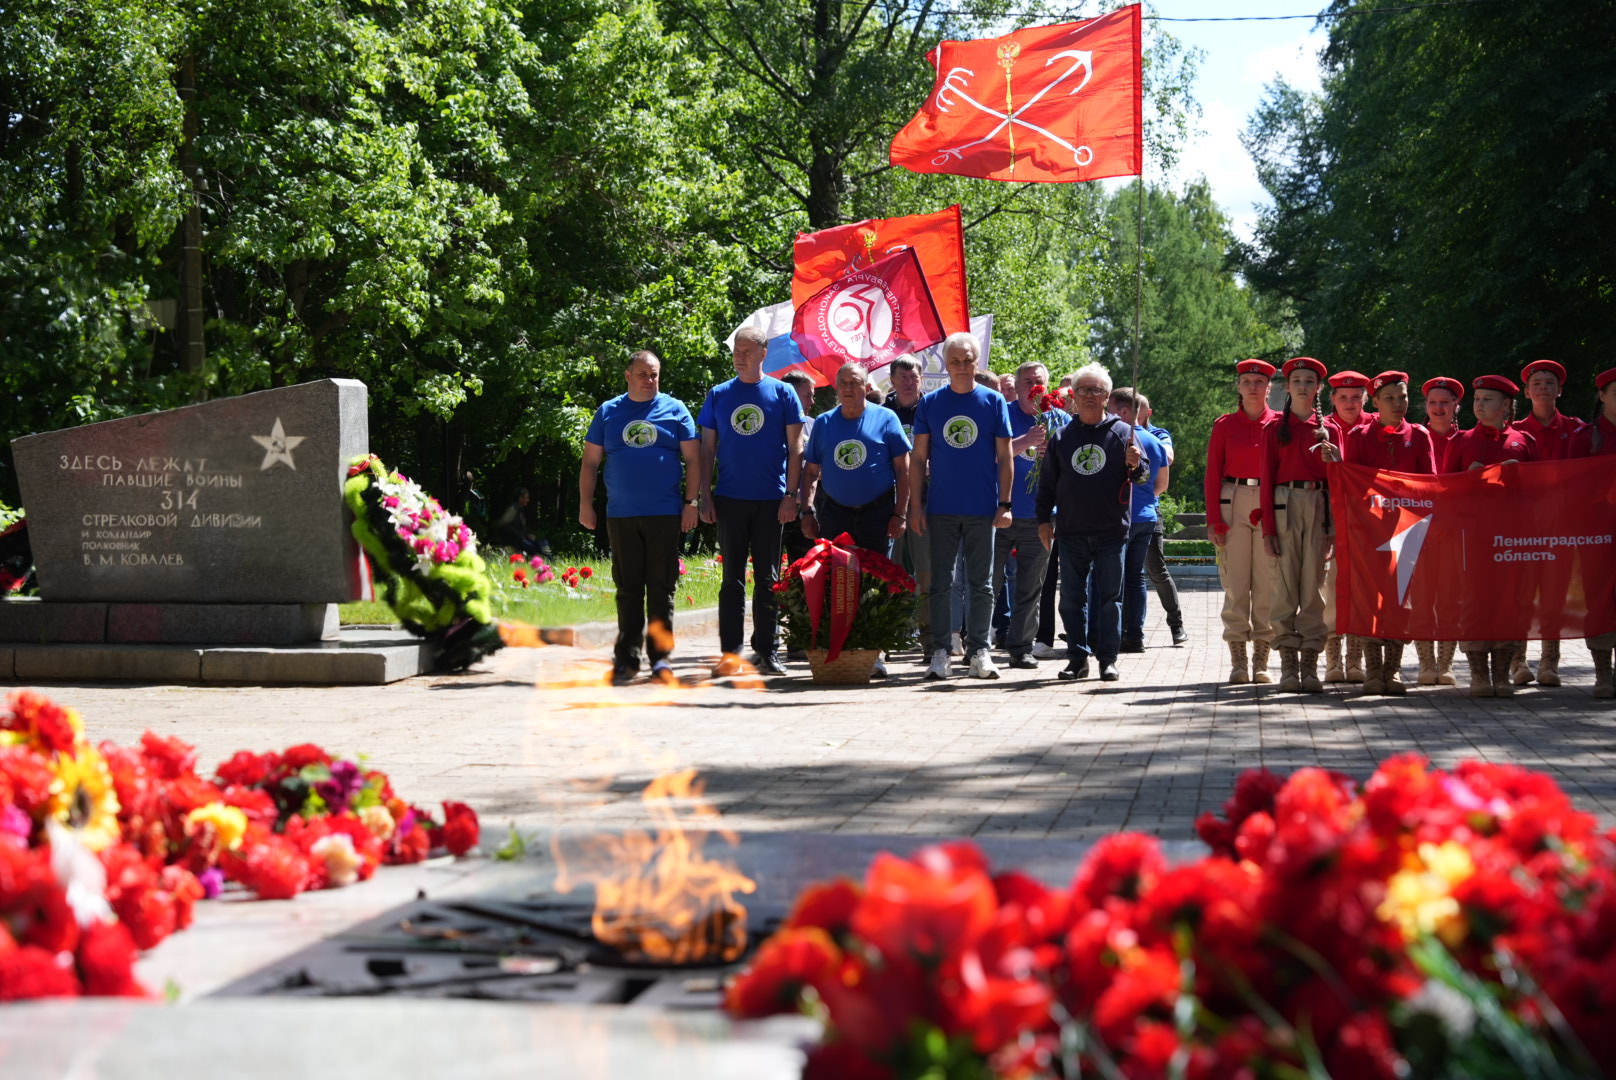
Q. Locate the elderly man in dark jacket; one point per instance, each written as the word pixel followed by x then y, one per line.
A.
pixel 1084 499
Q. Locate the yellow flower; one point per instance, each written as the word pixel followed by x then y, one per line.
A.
pixel 1419 897
pixel 83 799
pixel 229 823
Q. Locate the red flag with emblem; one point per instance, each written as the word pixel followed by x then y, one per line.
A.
pixel 1049 103
pixel 872 316
pixel 938 239
pixel 1496 554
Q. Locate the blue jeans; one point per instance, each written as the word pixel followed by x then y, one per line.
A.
pixel 1103 597
pixel 1133 580
pixel 953 535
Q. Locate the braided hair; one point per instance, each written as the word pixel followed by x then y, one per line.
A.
pixel 1284 432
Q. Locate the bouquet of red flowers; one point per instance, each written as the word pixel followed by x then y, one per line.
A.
pixel 886 603
pixel 1053 415
pixel 1430 924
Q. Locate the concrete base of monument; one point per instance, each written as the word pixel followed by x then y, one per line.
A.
pixel 356 657
pixel 34 621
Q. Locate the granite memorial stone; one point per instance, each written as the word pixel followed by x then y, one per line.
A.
pixel 235 501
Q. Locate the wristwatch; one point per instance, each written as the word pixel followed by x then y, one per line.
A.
pixel 692 502
pixel 808 511
pixel 1005 505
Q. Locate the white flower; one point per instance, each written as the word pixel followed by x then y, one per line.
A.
pixel 378 820
pixel 1450 1008
pixel 80 874
pixel 342 862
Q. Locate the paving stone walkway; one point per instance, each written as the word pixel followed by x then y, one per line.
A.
pixel 532 737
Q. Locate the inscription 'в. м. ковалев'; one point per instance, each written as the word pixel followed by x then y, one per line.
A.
pixel 236 500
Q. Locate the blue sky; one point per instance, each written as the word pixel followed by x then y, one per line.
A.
pixel 1240 59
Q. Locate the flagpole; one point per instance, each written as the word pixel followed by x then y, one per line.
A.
pixel 1139 288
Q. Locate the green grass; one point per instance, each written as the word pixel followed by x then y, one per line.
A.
pixel 1189 547
pixel 554 604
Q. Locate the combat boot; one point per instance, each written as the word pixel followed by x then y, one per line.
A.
pixel 1333 671
pixel 1391 669
pixel 1444 663
pixel 1373 681
pixel 1603 687
pixel 1548 668
pixel 1355 668
pixel 1519 673
pixel 1289 680
pixel 1481 684
pixel 1308 672
pixel 1259 663
pixel 1505 677
pixel 1426 651
pixel 1237 663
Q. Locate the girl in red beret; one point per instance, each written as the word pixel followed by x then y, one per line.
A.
pixel 1442 396
pixel 1348 391
pixel 1296 524
pixel 1598 439
pixel 1234 456
pixel 1395 445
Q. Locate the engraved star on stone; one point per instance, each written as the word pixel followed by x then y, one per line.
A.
pixel 278 446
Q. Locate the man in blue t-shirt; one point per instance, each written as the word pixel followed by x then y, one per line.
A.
pixel 1155 561
pixel 1142 520
pixel 1028 431
pixel 645 439
pixel 962 433
pixel 859 455
pixel 752 426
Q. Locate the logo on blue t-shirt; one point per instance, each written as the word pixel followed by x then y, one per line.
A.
pixel 746 420
pixel 639 433
pixel 960 432
pixel 1088 460
pixel 849 454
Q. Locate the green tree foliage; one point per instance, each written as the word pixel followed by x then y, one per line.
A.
pixel 1447 203
pixel 1198 318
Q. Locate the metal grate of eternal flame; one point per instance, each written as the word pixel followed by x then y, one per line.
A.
pixel 494 950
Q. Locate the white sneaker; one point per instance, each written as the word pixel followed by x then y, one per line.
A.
pixel 939 665
pixel 956 647
pixel 880 669
pixel 1040 651
pixel 982 665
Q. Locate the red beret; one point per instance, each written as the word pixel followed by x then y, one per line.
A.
pixel 1442 382
pixel 1254 367
pixel 1305 362
pixel 1605 378
pixel 1543 365
pixel 1349 380
pixel 1386 378
pixel 1496 382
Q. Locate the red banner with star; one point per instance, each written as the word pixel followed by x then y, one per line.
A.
pixel 1496 554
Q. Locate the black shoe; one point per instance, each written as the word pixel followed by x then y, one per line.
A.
pixel 768 664
pixel 1023 661
pixel 1075 669
pixel 1000 639
pixel 1132 645
pixel 1179 635
pixel 622 674
pixel 1108 672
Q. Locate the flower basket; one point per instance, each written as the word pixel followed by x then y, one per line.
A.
pixel 852 666
pixel 884 616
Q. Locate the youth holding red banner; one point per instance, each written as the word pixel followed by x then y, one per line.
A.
pixel 1442 396
pixel 1347 391
pixel 1296 524
pixel 1598 439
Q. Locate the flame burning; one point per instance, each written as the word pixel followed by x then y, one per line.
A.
pixel 658 898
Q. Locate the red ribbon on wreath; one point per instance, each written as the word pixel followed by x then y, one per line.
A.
pixel 836 564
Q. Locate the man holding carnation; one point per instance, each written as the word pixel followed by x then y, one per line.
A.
pixel 646 439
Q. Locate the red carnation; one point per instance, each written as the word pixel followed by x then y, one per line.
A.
pixel 1124 865
pixel 42 720
pixel 828 906
pixel 167 758
pixel 29 778
pixel 460 828
pixel 924 914
pixel 134 893
pixel 254 802
pixel 269 865
pixel 298 757
pixel 29 972
pixel 787 962
pixel 410 847
pixel 518 557
pixel 106 961
pixel 247 769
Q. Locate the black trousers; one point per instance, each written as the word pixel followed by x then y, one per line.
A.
pixel 748 527
pixel 1166 587
pixel 1047 603
pixel 645 568
pixel 867 525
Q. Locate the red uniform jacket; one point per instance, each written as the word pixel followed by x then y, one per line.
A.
pixel 1582 443
pixel 1553 439
pixel 1295 460
pixel 1488 446
pixel 1440 443
pixel 1339 428
pixel 1235 449
pixel 1404 448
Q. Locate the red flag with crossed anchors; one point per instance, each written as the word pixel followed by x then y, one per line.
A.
pixel 1056 104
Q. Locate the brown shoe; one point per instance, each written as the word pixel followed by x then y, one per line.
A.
pixel 1259 663
pixel 1481 683
pixel 1391 669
